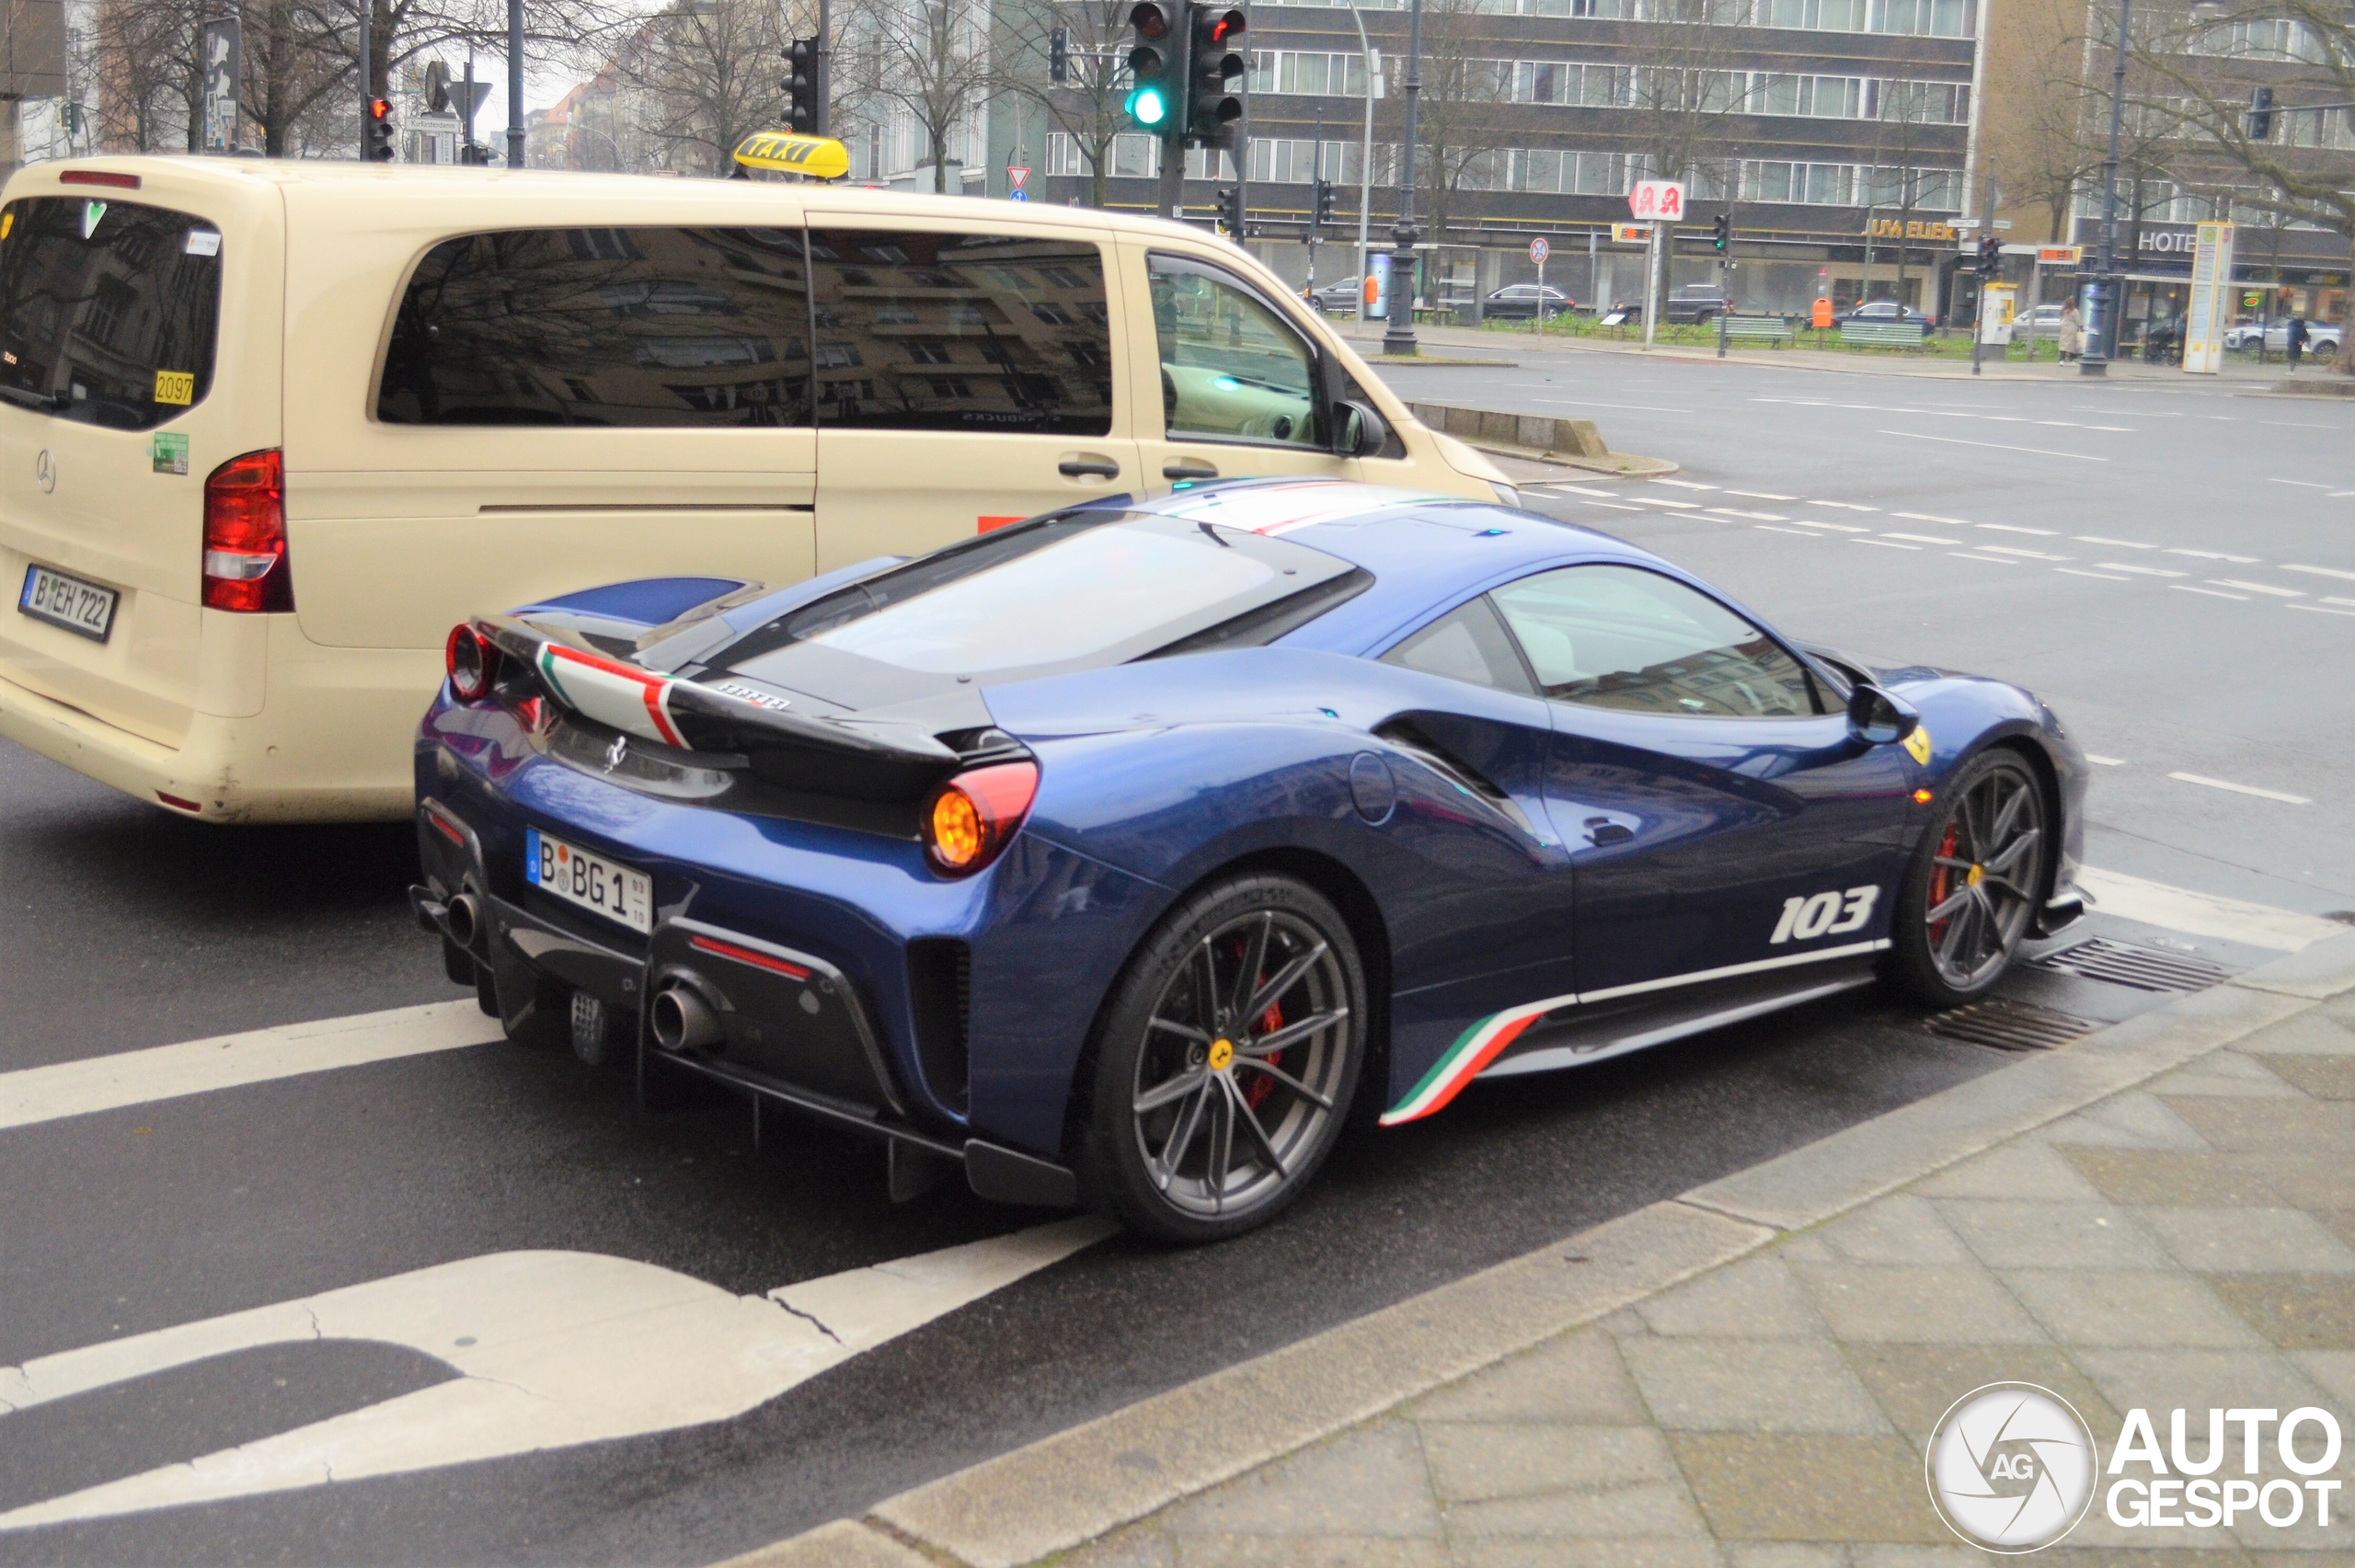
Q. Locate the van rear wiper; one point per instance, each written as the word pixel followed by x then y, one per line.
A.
pixel 47 402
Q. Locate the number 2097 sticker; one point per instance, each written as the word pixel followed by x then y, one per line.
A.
pixel 1826 914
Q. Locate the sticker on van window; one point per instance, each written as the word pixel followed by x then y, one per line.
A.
pixel 7 221
pixel 170 451
pixel 204 242
pixel 176 386
pixel 91 212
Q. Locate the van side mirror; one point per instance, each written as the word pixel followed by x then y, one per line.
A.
pixel 1879 719
pixel 1358 430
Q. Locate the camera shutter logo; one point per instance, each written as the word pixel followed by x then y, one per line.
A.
pixel 2011 1468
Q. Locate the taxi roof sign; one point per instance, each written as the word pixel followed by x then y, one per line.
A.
pixel 821 157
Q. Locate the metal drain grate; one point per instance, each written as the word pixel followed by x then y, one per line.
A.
pixel 2008 1026
pixel 2122 964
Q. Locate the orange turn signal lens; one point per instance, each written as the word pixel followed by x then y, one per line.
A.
pixel 1923 797
pixel 973 815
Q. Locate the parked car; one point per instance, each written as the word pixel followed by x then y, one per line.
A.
pixel 2322 338
pixel 323 384
pixel 2044 321
pixel 1694 302
pixel 1885 311
pixel 2244 334
pixel 1114 854
pixel 1520 302
pixel 1343 298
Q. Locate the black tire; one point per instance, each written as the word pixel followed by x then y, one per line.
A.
pixel 1178 1016
pixel 1971 889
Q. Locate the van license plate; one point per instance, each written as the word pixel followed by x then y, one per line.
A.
pixel 80 607
pixel 589 880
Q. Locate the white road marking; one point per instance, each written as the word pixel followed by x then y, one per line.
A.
pixel 2016 550
pixel 1834 526
pixel 2014 528
pixel 2213 555
pixel 1761 496
pixel 2258 588
pixel 1884 544
pixel 2212 593
pixel 1796 532
pixel 552 1349
pixel 1924 538
pixel 2242 788
pixel 2322 572
pixel 196 1067
pixel 2302 483
pixel 2336 495
pixel 1583 490
pixel 2138 571
pixel 2319 610
pixel 2104 761
pixel 1843 506
pixel 1664 501
pixel 1926 517
pixel 2328 599
pixel 2103 576
pixel 2295 425
pixel 1614 506
pixel 1746 515
pixel 1994 446
pixel 1991 560
pixel 1684 483
pixel 2204 914
pixel 2115 544
pixel 1590 403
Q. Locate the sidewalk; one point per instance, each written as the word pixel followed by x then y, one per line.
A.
pixel 1453 342
pixel 2159 1215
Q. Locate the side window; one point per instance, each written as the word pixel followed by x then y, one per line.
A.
pixel 1468 643
pixel 1624 637
pixel 1231 368
pixel 603 326
pixel 962 332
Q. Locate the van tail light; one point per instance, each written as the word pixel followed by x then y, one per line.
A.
pixel 246 568
pixel 473 663
pixel 972 816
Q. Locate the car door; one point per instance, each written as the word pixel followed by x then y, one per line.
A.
pixel 1230 386
pixel 1721 818
pixel 966 377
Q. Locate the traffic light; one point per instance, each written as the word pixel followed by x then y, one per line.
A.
pixel 800 87
pixel 1214 62
pixel 1230 210
pixel 1991 255
pixel 1148 103
pixel 2260 114
pixel 1059 55
pixel 1325 197
pixel 376 140
pixel 1722 240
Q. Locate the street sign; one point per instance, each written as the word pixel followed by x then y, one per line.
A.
pixel 1015 176
pixel 1631 233
pixel 1539 250
pixel 1017 195
pixel 1659 199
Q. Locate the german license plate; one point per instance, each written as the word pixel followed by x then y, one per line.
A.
pixel 591 881
pixel 80 607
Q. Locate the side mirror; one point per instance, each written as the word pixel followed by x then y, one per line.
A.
pixel 1358 430
pixel 1879 719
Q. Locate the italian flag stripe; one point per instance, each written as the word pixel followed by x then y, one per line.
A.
pixel 610 691
pixel 1474 1049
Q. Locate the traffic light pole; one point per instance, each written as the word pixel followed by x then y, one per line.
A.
pixel 1173 178
pixel 2102 328
pixel 823 70
pixel 1399 332
pixel 515 151
pixel 367 91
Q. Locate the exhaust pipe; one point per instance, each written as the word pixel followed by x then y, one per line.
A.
pixel 462 919
pixel 683 1021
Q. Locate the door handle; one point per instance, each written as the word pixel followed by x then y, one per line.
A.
pixel 1087 468
pixel 1602 830
pixel 1183 470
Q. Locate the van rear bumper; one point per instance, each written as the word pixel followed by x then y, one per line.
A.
pixel 311 755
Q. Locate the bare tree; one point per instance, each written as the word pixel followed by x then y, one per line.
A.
pixel 1087 108
pixel 928 60
pixel 703 75
pixel 1682 94
pixel 1461 119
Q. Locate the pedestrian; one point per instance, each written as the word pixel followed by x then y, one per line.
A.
pixel 2073 333
pixel 2293 337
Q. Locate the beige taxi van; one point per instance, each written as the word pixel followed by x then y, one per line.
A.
pixel 269 429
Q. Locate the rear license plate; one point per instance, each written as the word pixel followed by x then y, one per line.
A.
pixel 80 607
pixel 591 881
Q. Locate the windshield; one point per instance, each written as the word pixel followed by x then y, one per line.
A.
pixel 107 309
pixel 1073 590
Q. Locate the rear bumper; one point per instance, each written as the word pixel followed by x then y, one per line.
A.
pixel 797 1033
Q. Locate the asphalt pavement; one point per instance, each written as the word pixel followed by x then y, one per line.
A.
pixel 125 931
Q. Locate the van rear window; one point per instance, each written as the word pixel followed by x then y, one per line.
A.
pixel 108 310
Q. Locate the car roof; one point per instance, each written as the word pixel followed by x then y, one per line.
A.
pixel 1425 552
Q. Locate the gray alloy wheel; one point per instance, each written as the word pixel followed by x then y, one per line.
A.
pixel 1228 1063
pixel 1972 889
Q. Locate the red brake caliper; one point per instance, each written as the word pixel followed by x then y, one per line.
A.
pixel 1942 880
pixel 1261 1084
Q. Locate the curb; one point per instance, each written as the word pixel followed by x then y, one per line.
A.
pixel 1081 1484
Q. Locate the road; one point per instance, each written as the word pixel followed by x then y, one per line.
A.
pixel 127 931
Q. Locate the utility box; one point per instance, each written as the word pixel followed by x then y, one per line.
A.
pixel 1996 304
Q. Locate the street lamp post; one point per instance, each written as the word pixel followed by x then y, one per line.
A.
pixel 515 149
pixel 1365 156
pixel 1399 332
pixel 2100 328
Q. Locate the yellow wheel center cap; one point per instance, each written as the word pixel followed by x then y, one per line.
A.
pixel 1222 1053
pixel 1978 874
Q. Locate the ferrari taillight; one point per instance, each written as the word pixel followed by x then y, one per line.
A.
pixel 246 568
pixel 471 661
pixel 971 817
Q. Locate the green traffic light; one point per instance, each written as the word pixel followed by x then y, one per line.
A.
pixel 1147 107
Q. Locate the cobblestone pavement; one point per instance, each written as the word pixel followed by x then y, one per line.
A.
pixel 2190 1242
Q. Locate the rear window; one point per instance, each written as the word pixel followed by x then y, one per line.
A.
pixel 108 309
pixel 1075 590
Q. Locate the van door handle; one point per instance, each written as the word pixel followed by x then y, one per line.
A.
pixel 1087 468
pixel 1183 470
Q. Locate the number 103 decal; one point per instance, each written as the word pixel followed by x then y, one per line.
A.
pixel 1826 914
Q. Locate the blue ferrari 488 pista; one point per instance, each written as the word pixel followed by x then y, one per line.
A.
pixel 1120 854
